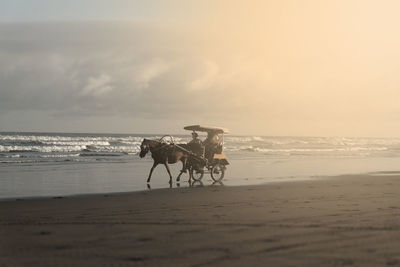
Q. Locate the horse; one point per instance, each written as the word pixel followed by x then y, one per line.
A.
pixel 163 153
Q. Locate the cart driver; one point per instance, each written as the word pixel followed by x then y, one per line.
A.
pixel 195 139
pixel 196 145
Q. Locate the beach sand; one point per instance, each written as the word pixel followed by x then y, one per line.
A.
pixel 335 221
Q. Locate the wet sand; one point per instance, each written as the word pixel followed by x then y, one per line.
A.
pixel 337 221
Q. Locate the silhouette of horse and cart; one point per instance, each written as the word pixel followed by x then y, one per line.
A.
pixel 198 157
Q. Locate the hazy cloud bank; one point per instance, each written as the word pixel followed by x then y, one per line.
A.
pixel 108 68
pixel 267 68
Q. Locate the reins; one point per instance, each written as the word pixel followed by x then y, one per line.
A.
pixel 160 145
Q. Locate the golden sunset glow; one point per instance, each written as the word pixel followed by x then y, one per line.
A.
pixel 309 67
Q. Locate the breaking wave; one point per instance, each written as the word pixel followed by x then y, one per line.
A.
pixel 21 147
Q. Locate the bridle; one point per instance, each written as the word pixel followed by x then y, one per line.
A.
pixel 144 148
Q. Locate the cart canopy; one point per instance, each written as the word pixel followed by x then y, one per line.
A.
pixel 201 128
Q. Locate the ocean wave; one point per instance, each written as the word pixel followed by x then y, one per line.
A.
pixel 68 140
pixel 65 149
pixel 42 149
pixel 23 161
pixel 22 150
pixel 23 143
pixel 309 150
pixel 76 143
pixel 54 147
pixel 19 161
pixel 59 155
pixel 244 139
pixel 102 154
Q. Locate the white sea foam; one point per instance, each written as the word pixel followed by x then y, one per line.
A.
pixel 43 149
pixel 53 146
pixel 59 155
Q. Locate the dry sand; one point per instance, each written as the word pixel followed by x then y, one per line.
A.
pixel 347 220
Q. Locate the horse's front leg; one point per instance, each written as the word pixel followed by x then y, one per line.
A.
pixel 169 172
pixel 151 171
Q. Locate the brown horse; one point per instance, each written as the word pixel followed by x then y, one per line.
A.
pixel 163 153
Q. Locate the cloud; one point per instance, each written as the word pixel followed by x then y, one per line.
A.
pixel 207 78
pixel 93 69
pixel 149 71
pixel 97 86
pixel 240 74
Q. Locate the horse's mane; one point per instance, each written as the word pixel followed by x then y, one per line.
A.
pixel 159 144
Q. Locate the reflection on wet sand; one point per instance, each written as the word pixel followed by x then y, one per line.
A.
pixel 192 183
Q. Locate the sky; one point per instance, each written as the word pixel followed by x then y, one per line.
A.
pixel 308 68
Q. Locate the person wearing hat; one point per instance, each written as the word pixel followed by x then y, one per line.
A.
pixel 196 145
pixel 195 139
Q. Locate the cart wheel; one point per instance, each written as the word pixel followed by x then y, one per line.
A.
pixel 217 172
pixel 197 175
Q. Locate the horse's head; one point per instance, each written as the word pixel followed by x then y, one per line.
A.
pixel 144 148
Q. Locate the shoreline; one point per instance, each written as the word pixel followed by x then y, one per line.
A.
pixel 344 220
pixel 104 177
pixel 184 183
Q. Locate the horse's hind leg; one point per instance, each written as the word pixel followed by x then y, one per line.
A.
pixel 179 177
pixel 151 171
pixel 182 171
pixel 169 172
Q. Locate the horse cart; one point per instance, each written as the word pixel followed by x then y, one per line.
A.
pixel 207 156
pixel 199 157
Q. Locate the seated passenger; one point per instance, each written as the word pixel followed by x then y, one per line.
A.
pixel 211 143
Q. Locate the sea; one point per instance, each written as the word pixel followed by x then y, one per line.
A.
pixel 64 164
